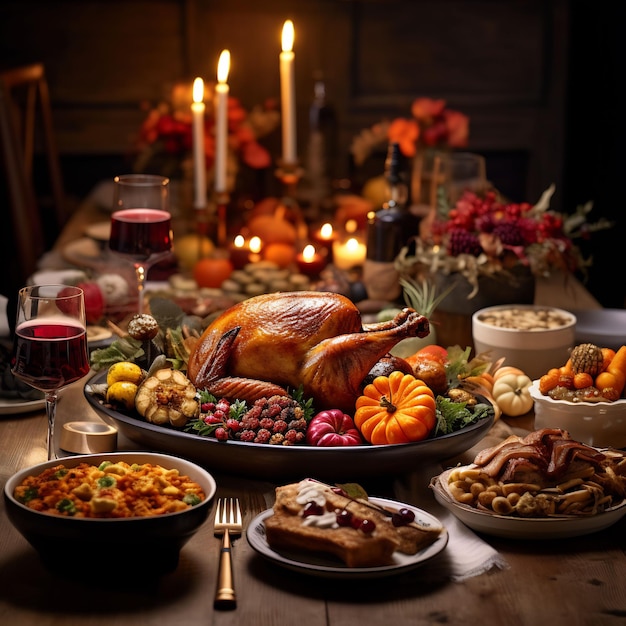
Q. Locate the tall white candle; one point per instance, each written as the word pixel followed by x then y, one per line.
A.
pixel 199 163
pixel 221 121
pixel 288 94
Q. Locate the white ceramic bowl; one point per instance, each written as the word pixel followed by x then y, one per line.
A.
pixel 532 347
pixel 599 424
pixel 145 546
pixel 548 528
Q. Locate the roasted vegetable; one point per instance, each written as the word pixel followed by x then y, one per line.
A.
pixel 167 397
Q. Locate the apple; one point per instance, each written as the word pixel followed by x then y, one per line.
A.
pixel 94 301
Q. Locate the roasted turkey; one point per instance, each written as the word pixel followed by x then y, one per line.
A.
pixel 266 344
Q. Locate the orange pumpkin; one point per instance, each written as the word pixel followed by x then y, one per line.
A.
pixel 212 271
pixel 398 408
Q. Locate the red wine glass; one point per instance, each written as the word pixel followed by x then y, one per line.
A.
pixel 141 228
pixel 50 343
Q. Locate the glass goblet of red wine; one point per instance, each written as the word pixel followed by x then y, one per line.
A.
pixel 50 343
pixel 141 228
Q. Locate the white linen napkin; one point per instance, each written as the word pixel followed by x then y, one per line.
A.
pixel 466 554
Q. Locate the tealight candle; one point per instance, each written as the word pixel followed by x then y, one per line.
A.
pixel 349 254
pixel 323 238
pixel 256 245
pixel 310 262
pixel 239 252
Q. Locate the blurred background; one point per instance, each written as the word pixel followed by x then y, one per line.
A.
pixel 542 82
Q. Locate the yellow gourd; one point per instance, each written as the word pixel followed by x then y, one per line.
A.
pixel 512 393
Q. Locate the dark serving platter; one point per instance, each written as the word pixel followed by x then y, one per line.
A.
pixel 269 461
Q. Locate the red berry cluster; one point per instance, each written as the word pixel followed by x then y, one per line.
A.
pixel 277 420
pixel 513 224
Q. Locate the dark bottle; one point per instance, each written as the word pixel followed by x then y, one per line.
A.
pixel 386 228
pixel 387 233
pixel 316 187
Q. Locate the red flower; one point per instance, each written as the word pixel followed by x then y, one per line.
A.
pixel 457 126
pixel 432 124
pixel 404 132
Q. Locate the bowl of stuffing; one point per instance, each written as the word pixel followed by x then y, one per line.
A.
pixel 530 337
pixel 110 513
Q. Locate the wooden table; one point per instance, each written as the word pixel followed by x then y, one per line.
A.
pixel 568 581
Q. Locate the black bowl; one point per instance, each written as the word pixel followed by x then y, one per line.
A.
pixel 140 546
pixel 282 462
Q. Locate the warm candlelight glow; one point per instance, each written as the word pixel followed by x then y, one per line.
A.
pixel 199 163
pixel 308 254
pixel 255 244
pixel 351 226
pixel 288 36
pixel 288 94
pixel 223 66
pixel 198 90
pixel 352 245
pixel 239 241
pixel 221 121
pixel 326 232
pixel 310 262
pixel 349 254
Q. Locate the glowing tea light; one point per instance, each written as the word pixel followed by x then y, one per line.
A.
pixel 199 163
pixel 323 238
pixel 255 244
pixel 326 231
pixel 310 262
pixel 349 254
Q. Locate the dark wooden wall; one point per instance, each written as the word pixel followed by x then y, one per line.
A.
pixel 508 64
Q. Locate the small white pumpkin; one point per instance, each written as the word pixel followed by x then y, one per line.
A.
pixel 512 393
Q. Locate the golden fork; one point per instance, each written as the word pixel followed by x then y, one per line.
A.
pixel 227 521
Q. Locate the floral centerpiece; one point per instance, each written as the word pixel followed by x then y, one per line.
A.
pixel 486 235
pixel 432 125
pixel 164 143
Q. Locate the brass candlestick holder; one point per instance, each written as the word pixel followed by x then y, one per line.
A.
pixel 222 200
pixel 290 175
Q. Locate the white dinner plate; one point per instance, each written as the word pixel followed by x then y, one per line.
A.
pixel 14 406
pixel 525 528
pixel 317 564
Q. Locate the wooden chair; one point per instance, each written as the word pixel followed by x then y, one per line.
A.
pixel 25 127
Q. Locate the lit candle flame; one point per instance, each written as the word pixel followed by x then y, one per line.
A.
pixel 326 231
pixel 308 254
pixel 223 66
pixel 288 36
pixel 198 90
pixel 255 245
pixel 239 241
pixel 352 244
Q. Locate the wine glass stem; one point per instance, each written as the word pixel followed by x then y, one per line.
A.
pixel 51 410
pixel 141 272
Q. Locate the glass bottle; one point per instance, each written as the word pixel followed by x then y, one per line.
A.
pixel 316 187
pixel 387 232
